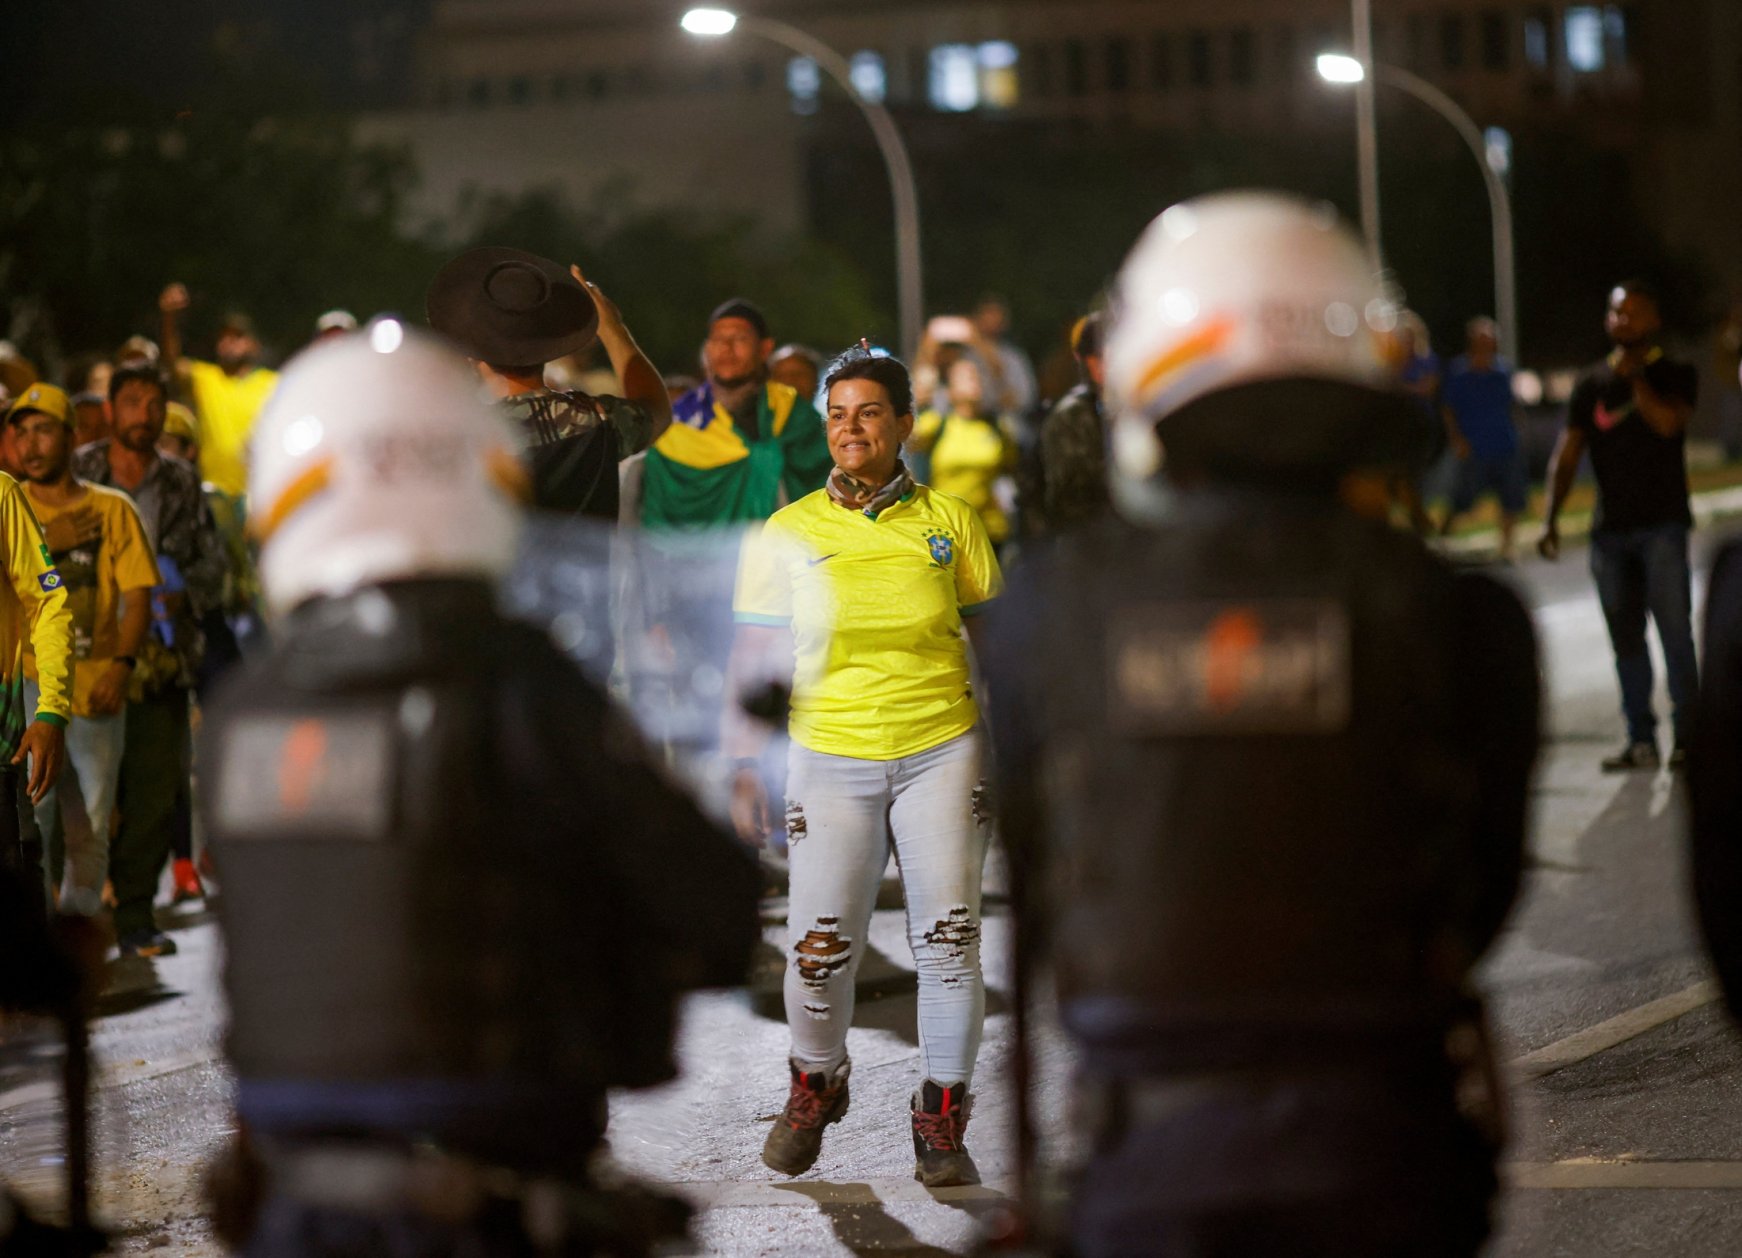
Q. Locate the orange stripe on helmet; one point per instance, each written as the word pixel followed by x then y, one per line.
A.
pixel 1206 341
pixel 309 483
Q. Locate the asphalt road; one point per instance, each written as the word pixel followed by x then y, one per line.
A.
pixel 1624 1075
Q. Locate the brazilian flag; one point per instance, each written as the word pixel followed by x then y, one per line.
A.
pixel 702 471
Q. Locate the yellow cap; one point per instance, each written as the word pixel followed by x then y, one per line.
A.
pixel 48 399
pixel 179 421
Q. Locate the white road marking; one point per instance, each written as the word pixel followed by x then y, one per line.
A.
pixel 1613 1031
pixel 1622 1173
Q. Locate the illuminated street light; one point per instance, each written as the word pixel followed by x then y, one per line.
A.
pixel 710 21
pixel 1334 67
pixel 1341 69
pixel 910 295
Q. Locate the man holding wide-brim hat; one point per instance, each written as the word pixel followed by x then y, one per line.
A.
pixel 512 312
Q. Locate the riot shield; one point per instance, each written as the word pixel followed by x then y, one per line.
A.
pixel 649 616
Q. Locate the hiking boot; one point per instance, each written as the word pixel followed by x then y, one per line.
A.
pixel 1632 756
pixel 940 1115
pixel 146 943
pixel 187 882
pixel 816 1100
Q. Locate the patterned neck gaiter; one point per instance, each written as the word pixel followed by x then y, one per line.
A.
pixel 856 495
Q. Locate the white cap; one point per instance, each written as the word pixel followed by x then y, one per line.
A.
pixel 1234 289
pixel 377 460
pixel 336 321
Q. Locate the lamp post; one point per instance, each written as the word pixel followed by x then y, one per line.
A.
pixel 1334 68
pixel 910 299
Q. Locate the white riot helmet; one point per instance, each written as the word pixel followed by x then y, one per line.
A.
pixel 376 459
pixel 1240 289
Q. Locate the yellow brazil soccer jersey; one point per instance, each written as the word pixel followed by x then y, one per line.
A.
pixel 228 406
pixel 876 607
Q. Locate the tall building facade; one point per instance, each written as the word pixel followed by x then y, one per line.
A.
pixel 611 101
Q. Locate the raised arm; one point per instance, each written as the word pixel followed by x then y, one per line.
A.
pixel 642 383
pixel 170 303
pixel 1666 414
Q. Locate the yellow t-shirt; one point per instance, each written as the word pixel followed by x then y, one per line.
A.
pixel 94 575
pixel 876 607
pixel 967 458
pixel 228 406
pixel 33 615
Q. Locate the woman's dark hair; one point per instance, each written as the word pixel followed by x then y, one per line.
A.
pixel 859 363
pixel 126 373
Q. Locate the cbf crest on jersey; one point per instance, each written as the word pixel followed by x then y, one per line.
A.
pixel 943 548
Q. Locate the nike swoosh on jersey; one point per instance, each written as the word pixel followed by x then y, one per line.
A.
pixel 814 562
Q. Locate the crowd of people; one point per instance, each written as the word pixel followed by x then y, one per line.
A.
pixel 881 506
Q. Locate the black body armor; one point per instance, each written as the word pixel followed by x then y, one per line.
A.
pixel 1268 786
pixel 458 904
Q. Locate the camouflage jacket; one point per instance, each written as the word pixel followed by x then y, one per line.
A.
pixel 1074 455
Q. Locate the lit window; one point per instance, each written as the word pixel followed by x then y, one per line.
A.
pixel 868 75
pixel 1497 147
pixel 1536 42
pixel 955 77
pixel 999 88
pixel 1584 27
pixel 803 82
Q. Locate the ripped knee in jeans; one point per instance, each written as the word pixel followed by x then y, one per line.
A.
pixel 823 953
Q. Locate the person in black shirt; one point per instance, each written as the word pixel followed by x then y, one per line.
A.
pixel 1631 411
pixel 512 312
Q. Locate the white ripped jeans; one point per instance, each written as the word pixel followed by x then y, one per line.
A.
pixel 843 815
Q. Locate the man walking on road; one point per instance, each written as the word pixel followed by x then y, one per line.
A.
pixel 156 760
pixel 107 570
pixel 1073 440
pixel 1631 411
pixel 1476 400
pixel 33 614
pixel 741 445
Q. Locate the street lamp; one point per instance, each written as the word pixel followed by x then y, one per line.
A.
pixel 1337 68
pixel 910 300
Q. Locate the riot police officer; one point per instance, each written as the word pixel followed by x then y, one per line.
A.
pixel 458 902
pixel 1267 797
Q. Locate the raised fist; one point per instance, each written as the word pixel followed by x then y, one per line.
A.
pixel 173 299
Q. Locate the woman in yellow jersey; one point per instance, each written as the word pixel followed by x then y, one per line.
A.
pixel 874 577
pixel 971 450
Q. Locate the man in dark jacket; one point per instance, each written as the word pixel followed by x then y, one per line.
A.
pixel 1073 439
pixel 459 901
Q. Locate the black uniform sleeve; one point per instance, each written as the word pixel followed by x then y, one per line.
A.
pixel 691 890
pixel 1015 720
pixel 1499 662
pixel 1715 776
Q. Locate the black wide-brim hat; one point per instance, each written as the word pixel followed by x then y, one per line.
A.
pixel 511 308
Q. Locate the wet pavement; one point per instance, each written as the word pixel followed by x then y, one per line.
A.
pixel 1625 1075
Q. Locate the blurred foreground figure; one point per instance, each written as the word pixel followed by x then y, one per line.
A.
pixel 44 970
pixel 458 904
pixel 1268 810
pixel 1714 779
